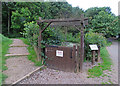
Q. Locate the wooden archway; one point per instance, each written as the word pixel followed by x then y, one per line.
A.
pixel 82 22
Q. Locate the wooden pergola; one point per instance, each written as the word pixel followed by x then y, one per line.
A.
pixel 74 22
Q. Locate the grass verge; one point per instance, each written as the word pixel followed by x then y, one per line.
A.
pixel 5 42
pixel 97 71
pixel 32 54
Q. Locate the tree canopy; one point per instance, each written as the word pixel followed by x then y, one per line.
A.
pixel 16 14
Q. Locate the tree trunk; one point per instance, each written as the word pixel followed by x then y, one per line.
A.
pixel 8 21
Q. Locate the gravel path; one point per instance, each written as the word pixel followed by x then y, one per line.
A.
pixel 18 66
pixel 50 76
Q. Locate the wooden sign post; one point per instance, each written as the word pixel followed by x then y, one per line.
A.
pixel 93 48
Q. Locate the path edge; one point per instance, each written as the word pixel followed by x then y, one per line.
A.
pixel 28 75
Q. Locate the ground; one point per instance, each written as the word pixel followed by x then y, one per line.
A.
pixel 113 51
pixel 18 65
pixel 51 76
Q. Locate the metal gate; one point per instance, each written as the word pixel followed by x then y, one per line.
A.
pixel 61 58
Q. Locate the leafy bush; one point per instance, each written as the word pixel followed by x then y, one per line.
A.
pixel 31 32
pixel 49 36
pixel 71 38
pixel 105 23
pixel 52 36
pixel 93 38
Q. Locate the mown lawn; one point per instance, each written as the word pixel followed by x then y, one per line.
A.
pixel 4 46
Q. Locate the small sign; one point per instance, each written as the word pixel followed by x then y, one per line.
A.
pixel 59 53
pixel 93 47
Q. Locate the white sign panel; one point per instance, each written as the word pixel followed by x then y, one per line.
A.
pixel 93 47
pixel 59 53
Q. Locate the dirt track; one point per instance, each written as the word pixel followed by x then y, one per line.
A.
pixel 18 66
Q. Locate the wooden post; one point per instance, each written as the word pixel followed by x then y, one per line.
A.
pixel 77 59
pixel 82 50
pixel 39 44
pixel 93 58
pixel 82 44
pixel 98 58
pixel 74 56
pixel 36 50
pixel 65 33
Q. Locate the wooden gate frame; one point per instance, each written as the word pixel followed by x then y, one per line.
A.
pixel 84 21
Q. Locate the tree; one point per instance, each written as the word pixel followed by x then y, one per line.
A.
pixel 91 12
pixel 105 23
pixel 76 12
pixel 7 9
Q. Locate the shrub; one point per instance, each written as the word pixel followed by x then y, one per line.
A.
pixel 49 36
pixel 72 38
pixel 93 38
pixel 31 32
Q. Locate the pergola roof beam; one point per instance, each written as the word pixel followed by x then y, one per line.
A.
pixel 60 20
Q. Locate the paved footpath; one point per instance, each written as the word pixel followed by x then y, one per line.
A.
pixel 18 65
pixel 113 51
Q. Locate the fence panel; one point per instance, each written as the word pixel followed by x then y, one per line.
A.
pixel 61 58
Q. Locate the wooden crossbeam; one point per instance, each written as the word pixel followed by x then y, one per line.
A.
pixel 45 27
pixel 61 20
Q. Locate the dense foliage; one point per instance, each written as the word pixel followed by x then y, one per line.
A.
pixel 106 24
pixel 49 36
pixel 16 14
pixel 31 32
pixel 103 21
pixel 93 38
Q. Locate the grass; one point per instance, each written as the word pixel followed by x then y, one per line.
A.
pixel 109 82
pixel 5 42
pixel 32 56
pixel 104 83
pixel 97 71
pixel 118 39
pixel 109 43
pixel 4 46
